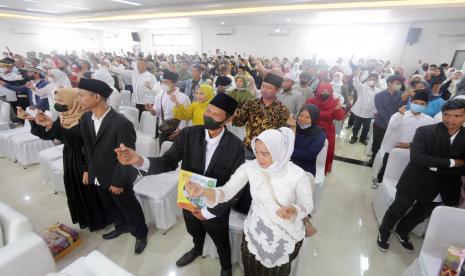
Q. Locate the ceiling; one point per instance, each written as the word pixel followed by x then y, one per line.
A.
pixel 102 14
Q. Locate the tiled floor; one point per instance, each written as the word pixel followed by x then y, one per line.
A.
pixel 345 243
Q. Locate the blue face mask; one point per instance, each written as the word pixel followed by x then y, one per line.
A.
pixel 416 108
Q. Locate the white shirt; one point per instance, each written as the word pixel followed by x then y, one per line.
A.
pixel 97 124
pixel 212 144
pixel 141 93
pixel 164 99
pixel 365 105
pixel 401 129
pixel 9 94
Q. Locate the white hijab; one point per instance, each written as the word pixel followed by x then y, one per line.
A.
pixel 58 78
pixel 280 144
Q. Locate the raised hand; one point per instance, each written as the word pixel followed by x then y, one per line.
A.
pixel 43 120
pixel 23 114
pixel 127 156
pixel 286 212
pixel 402 109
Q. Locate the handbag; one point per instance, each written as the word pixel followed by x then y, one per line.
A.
pixel 167 126
pixel 310 230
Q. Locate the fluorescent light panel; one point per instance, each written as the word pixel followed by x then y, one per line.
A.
pixel 39 10
pixel 73 7
pixel 127 2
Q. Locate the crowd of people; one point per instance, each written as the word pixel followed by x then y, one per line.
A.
pixel 287 111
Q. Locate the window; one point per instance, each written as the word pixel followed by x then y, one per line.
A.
pixel 171 40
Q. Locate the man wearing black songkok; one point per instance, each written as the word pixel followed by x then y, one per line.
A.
pixel 209 150
pixel 102 130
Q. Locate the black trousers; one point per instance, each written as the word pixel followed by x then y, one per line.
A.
pixel 351 120
pixel 125 211
pixel 217 228
pixel 383 168
pixel 358 123
pixel 128 87
pixel 399 210
pixel 378 135
pixel 141 108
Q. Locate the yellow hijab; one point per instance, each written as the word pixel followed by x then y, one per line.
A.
pixel 71 117
pixel 209 94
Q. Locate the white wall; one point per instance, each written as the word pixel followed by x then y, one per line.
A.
pixel 21 38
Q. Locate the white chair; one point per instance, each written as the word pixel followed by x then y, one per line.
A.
pixel 13 224
pixel 95 264
pixel 165 147
pixel 319 177
pixel 132 114
pixel 157 195
pixel 26 148
pixel 385 194
pixel 46 157
pixel 28 255
pixel 6 148
pixel 146 144
pixel 126 98
pixel 236 230
pixel 238 131
pixel 446 229
pixel 57 175
pixel 4 115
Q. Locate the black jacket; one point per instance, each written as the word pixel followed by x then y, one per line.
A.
pixel 431 148
pixel 190 148
pixel 102 162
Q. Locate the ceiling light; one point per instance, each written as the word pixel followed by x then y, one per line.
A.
pixel 38 10
pixel 3 6
pixel 32 1
pixel 288 20
pixel 222 23
pixel 127 2
pixel 73 7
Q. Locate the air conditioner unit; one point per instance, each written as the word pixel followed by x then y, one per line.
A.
pixel 28 31
pixel 225 31
pixel 109 35
pixel 278 30
pixel 451 32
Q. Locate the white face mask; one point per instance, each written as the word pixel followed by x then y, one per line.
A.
pixel 165 87
pixel 304 126
pixel 371 83
pixel 397 87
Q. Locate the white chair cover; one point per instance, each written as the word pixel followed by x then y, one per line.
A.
pixel 132 114
pixel 236 230
pixel 385 194
pixel 165 147
pixel 95 264
pixel 57 176
pixel 305 253
pixel 46 157
pixel 446 229
pixel 126 98
pixel 146 144
pixel 14 224
pixel 4 115
pixel 6 148
pixel 26 148
pixel 238 131
pixel 157 195
pixel 319 177
pixel 370 138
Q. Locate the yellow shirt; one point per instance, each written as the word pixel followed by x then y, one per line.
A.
pixel 193 112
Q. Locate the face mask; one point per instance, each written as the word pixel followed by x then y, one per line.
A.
pixel 324 97
pixel 210 123
pixel 165 87
pixel 60 107
pixel 303 82
pixel 420 90
pixel 397 87
pixel 29 78
pixel 304 126
pixel 416 108
pixel 371 83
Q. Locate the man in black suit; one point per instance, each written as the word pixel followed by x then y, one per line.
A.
pixel 209 150
pixel 102 130
pixel 437 155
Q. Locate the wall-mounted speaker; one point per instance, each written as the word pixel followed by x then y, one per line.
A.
pixel 135 36
pixel 413 35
